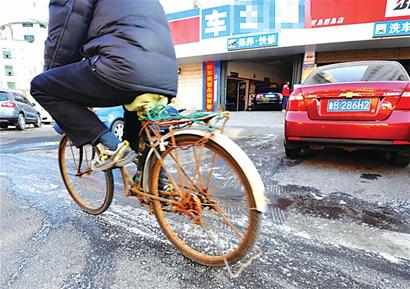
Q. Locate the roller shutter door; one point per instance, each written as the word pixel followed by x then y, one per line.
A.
pixel 190 86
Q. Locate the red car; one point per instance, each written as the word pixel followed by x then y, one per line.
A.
pixel 364 105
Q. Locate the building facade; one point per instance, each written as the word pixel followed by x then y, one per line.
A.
pixel 22 48
pixel 229 50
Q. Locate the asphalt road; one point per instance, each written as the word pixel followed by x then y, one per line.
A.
pixel 336 220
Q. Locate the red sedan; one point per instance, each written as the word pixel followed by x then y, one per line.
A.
pixel 362 104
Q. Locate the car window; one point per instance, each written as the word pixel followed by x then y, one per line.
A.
pixel 26 101
pixel 3 96
pixel 20 98
pixel 357 72
pixel 17 97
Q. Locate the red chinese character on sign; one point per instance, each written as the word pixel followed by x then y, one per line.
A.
pixel 209 68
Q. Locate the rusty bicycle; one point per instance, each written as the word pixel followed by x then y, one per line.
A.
pixel 211 205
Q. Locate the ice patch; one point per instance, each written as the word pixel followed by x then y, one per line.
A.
pixel 391 258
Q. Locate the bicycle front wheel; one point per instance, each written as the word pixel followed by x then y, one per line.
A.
pixel 92 191
pixel 216 220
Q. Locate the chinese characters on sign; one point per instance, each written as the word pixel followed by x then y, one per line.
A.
pixel 327 21
pixel 309 64
pixel 392 28
pixel 216 22
pixel 253 41
pixel 209 85
pixel 252 16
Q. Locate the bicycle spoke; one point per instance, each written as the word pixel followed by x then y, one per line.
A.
pixel 226 220
pixel 198 162
pixel 210 171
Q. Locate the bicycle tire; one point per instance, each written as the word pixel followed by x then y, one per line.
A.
pixel 72 181
pixel 191 250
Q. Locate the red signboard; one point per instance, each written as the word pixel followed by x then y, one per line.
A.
pixel 185 30
pixel 209 85
pixel 323 13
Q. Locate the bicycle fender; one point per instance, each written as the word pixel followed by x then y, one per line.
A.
pixel 247 166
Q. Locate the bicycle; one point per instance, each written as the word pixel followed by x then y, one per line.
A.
pixel 211 204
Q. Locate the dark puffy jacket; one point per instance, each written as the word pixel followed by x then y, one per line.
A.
pixel 128 42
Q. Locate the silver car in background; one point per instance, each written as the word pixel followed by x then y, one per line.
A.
pixel 17 110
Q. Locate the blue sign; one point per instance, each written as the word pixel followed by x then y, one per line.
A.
pixel 216 22
pixel 252 16
pixel 253 41
pixel 391 28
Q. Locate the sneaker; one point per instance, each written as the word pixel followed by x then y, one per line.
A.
pixel 108 159
pixel 164 184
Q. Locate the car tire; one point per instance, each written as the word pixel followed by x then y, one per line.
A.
pixel 292 153
pixel 400 160
pixel 4 125
pixel 117 128
pixel 21 122
pixel 38 121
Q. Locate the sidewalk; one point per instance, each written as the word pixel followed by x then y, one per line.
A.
pixel 251 123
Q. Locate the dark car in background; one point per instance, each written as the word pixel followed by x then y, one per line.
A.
pixel 16 110
pixel 269 100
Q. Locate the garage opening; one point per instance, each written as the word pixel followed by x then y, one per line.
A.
pixel 261 77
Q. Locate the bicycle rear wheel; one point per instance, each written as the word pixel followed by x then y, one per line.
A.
pixel 92 191
pixel 221 222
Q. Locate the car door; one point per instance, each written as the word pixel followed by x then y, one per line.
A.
pixel 32 110
pixel 23 106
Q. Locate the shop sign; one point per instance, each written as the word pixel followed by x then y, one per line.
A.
pixel 216 22
pixel 396 8
pixel 209 85
pixel 251 16
pixel 253 41
pixel 391 28
pixel 309 59
pixel 323 13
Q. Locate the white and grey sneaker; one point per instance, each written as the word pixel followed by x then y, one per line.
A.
pixel 108 159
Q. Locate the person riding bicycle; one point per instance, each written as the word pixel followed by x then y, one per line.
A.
pixel 102 53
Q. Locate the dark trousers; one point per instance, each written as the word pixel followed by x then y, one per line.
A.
pixel 284 101
pixel 67 91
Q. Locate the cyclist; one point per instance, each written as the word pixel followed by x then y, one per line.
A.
pixel 103 53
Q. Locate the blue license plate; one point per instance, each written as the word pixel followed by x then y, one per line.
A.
pixel 341 105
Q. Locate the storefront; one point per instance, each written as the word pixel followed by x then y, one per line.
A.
pixel 246 78
pixel 229 53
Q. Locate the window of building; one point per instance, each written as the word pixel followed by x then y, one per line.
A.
pixel 29 38
pixel 27 24
pixel 6 54
pixel 9 70
pixel 11 85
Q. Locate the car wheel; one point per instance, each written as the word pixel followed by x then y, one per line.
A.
pixel 21 122
pixel 4 125
pixel 292 153
pixel 117 128
pixel 38 121
pixel 400 160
